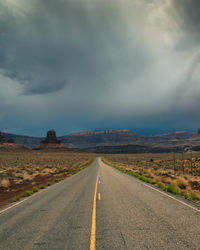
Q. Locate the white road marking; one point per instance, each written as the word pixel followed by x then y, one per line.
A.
pixel 162 192
pixel 25 199
pixel 17 203
pixel 173 198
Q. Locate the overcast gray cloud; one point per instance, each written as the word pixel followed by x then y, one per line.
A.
pixel 78 65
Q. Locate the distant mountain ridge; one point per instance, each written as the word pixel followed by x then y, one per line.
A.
pixel 107 131
pixel 7 144
pixel 29 141
pixel 111 137
pixel 99 138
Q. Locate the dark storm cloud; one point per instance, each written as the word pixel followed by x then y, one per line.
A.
pixel 56 41
pixel 189 14
pixel 186 95
pixel 86 62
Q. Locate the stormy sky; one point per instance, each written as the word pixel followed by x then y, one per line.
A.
pixel 77 65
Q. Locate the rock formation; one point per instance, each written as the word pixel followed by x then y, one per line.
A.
pixel 3 139
pixel 51 138
pixel 7 144
pixel 51 142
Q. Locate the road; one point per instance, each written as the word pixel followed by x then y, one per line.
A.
pixel 100 208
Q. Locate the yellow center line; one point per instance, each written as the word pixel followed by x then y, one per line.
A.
pixel 93 227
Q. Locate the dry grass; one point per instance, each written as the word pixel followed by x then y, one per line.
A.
pixel 5 183
pixel 20 171
pixel 180 171
pixel 20 166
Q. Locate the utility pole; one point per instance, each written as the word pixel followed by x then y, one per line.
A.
pixel 174 163
pixel 183 163
pixel 191 161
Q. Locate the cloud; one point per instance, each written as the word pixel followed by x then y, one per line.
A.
pixel 189 12
pixel 78 63
pixel 51 44
pixel 186 98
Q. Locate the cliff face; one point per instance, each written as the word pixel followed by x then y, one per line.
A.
pixel 93 138
pixel 122 137
pixel 108 138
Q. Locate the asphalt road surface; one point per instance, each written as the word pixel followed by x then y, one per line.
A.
pixel 100 208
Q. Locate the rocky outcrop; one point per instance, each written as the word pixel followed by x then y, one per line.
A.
pixel 29 141
pixel 3 139
pixel 7 144
pixel 51 142
pixel 51 138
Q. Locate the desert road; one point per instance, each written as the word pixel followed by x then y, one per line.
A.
pixel 100 208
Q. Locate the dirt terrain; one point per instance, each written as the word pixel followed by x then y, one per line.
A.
pixel 22 173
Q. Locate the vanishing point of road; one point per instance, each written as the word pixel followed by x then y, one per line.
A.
pixel 100 208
